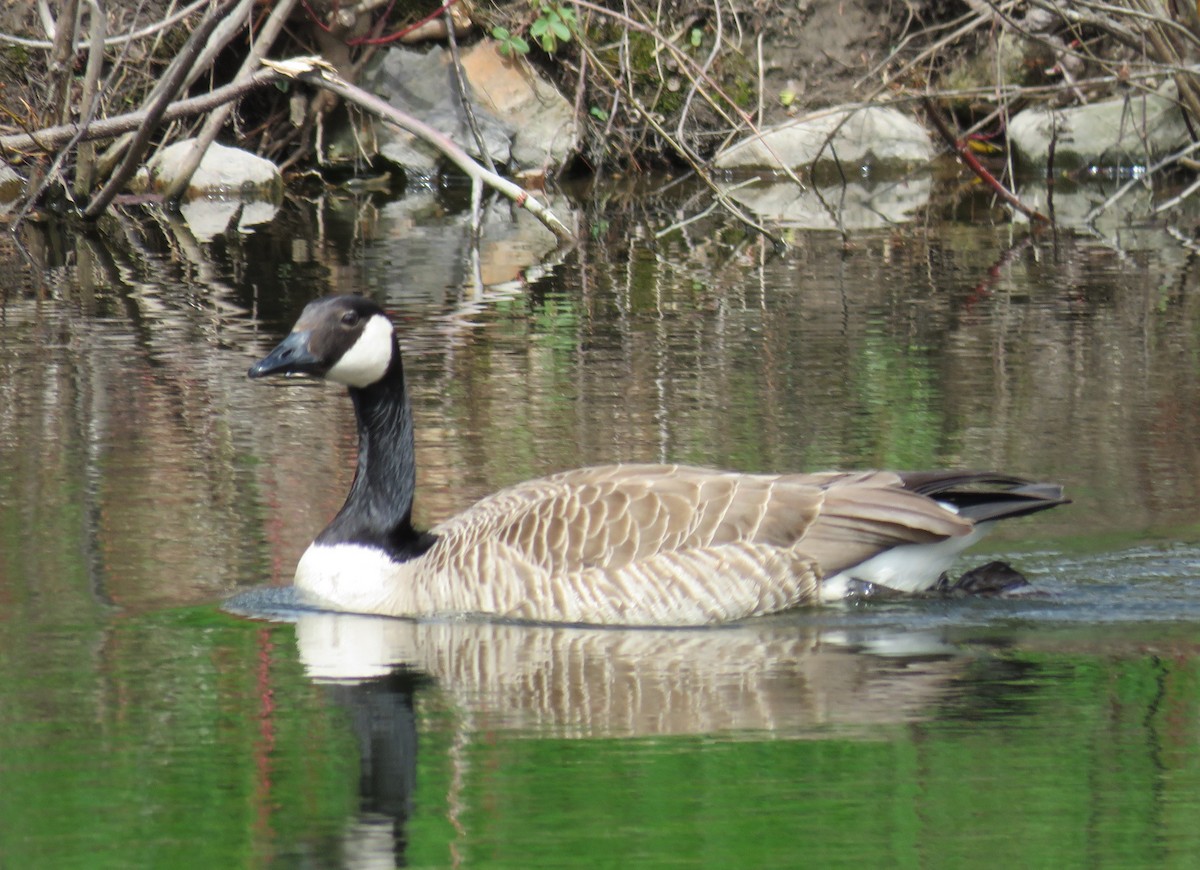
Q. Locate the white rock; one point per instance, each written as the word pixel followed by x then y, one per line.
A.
pixel 1133 130
pixel 209 217
pixel 223 171
pixel 856 138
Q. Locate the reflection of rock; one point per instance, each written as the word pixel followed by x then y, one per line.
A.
pixel 417 232
pixel 879 136
pixel 209 218
pixel 1074 204
pixel 1110 132
pixel 852 206
pixel 592 682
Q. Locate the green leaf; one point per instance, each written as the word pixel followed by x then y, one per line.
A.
pixel 697 35
pixel 561 30
pixel 538 28
pixel 500 33
pixel 598 113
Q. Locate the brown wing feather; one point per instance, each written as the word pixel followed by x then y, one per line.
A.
pixel 672 544
pixel 610 516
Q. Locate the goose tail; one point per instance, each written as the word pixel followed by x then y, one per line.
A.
pixel 985 496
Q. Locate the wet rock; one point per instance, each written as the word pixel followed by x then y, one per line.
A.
pixel 525 123
pixel 878 138
pixel 223 172
pixel 1133 129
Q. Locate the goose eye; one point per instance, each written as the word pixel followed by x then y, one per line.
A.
pixel 350 318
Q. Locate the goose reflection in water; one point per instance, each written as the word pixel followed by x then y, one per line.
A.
pixel 765 679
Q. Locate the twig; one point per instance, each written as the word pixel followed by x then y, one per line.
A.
pixel 684 61
pixel 111 41
pixel 175 75
pixel 1140 178
pixel 320 73
pixel 212 125
pixel 1178 198
pixel 89 99
pixel 218 39
pixel 718 38
pixel 61 61
pixel 964 153
pixel 651 121
pixel 465 98
pixel 403 31
pixel 52 138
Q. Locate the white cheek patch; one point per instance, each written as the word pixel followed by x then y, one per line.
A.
pixel 368 358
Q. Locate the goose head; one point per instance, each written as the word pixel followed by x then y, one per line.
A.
pixel 346 339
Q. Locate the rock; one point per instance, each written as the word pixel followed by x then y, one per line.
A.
pixel 525 123
pixel 223 172
pixel 12 187
pixel 878 137
pixel 1107 133
pixel 421 83
pixel 545 134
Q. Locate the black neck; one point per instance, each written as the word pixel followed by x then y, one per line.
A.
pixel 378 510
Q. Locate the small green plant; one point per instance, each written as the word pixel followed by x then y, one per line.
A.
pixel 554 25
pixel 598 113
pixel 510 43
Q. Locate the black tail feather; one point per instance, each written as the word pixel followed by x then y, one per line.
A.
pixel 986 496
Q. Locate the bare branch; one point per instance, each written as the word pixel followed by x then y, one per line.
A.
pixel 109 42
pixel 320 73
pixel 53 138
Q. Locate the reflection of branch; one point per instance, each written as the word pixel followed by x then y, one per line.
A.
pixel 319 73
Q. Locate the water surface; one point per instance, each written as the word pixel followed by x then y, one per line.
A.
pixel 144 479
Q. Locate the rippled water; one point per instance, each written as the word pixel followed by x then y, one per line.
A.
pixel 143 480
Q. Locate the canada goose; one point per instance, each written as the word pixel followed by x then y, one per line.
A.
pixel 615 544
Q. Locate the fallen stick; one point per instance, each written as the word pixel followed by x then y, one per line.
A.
pixel 320 73
pixel 964 152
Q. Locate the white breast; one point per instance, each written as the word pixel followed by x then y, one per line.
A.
pixel 348 577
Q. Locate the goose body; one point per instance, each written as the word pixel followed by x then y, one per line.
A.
pixel 617 544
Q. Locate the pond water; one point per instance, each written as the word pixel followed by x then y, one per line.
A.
pixel 144 480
